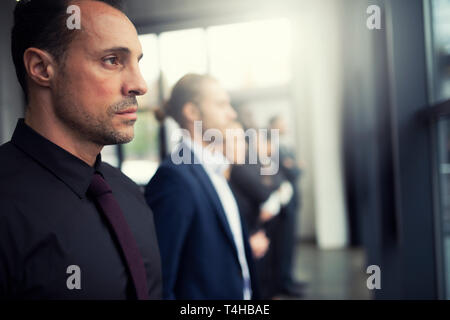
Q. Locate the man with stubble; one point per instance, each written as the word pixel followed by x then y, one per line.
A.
pixel 72 226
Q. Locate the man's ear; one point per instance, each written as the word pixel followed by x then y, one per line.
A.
pixel 191 112
pixel 39 65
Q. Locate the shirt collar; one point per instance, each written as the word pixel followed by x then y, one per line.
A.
pixel 212 161
pixel 74 172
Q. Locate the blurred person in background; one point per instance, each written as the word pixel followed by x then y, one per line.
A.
pixel 261 199
pixel 235 148
pixel 246 117
pixel 290 168
pixel 204 248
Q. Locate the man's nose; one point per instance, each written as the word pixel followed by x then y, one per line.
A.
pixel 135 84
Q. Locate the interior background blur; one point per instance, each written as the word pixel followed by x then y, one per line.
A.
pixel 367 112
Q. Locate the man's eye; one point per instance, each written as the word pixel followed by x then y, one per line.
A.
pixel 111 60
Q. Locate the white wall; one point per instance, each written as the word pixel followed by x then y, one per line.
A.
pixel 319 95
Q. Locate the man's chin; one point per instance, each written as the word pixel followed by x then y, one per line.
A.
pixel 121 136
pixel 126 137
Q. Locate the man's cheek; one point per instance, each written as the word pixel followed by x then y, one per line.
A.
pixel 100 83
pixel 105 87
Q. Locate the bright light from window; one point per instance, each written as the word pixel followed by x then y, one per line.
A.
pixel 251 54
pixel 149 66
pixel 182 52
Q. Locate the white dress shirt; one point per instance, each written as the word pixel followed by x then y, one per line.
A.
pixel 215 165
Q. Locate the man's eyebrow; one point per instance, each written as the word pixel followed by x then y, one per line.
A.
pixel 122 49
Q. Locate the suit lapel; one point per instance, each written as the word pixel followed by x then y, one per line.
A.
pixel 211 192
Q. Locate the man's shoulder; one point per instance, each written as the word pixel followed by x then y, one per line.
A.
pixel 14 163
pixel 172 175
pixel 169 168
pixel 8 153
pixel 14 174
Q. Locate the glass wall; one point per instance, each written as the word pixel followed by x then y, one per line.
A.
pixel 252 60
pixel 440 50
pixel 251 54
pixel 444 185
pixel 438 24
pixel 141 155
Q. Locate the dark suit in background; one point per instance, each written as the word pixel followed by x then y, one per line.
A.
pixel 289 218
pixel 251 190
pixel 199 257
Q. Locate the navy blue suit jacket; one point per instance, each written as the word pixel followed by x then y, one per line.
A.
pixel 198 254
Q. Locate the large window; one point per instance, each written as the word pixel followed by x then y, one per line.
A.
pixel 444 168
pixel 251 54
pixel 182 52
pixel 440 50
pixel 140 157
pixel 438 18
pixel 443 129
pixel 251 59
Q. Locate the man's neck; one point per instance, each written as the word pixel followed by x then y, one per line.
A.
pixel 198 139
pixel 46 124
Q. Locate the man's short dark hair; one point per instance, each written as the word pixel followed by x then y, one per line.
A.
pixel 187 89
pixel 42 24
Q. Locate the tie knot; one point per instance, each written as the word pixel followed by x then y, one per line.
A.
pixel 98 186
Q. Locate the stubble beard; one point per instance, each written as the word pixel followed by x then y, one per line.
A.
pixel 98 130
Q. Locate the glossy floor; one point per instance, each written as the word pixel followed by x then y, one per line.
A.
pixel 332 274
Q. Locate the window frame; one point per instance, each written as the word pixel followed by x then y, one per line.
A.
pixel 241 96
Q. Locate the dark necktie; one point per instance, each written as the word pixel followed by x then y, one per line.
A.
pixel 102 194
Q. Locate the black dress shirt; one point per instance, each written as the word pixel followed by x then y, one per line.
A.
pixel 48 223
